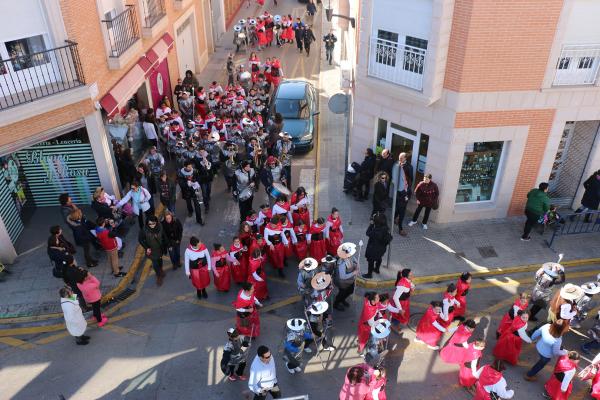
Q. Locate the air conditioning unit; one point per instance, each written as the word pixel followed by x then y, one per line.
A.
pixel 346 74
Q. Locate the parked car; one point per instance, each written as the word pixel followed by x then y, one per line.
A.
pixel 297 102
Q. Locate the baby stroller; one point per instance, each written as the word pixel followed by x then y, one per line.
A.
pixel 351 177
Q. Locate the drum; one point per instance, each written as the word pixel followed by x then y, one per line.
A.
pixel 237 28
pixel 278 189
pixel 277 19
pixel 245 76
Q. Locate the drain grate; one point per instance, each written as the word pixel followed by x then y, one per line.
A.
pixel 487 252
pixel 122 296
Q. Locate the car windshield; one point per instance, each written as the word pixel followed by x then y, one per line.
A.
pixel 292 108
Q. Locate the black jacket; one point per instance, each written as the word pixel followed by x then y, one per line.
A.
pixel 186 191
pixel 102 209
pixel 167 192
pixel 380 196
pixel 591 196
pixel 379 237
pixel 329 40
pixel 81 230
pixel 385 164
pixel 308 37
pixel 367 168
pixel 173 232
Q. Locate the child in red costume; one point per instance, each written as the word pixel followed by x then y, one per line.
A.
pixel 455 348
pixel 508 346
pixel 430 329
pixel 239 267
pixel 334 232
pixel 257 276
pixel 462 288
pixel 367 319
pixel 317 243
pixel 247 320
pixel 198 265
pixel 221 270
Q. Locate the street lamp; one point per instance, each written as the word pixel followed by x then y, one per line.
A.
pixel 329 15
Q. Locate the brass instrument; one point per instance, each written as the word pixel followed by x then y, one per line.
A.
pixel 257 150
pixel 232 148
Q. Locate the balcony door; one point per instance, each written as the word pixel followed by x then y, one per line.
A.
pixel 27 65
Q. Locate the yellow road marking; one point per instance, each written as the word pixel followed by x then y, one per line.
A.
pixel 372 284
pixel 14 342
pixel 498 283
pixel 122 330
pixel 52 338
pixel 206 304
pixel 282 303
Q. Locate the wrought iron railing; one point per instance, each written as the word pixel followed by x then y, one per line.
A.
pixel 397 63
pixel 153 11
pixel 575 223
pixel 28 77
pixel 122 31
pixel 577 65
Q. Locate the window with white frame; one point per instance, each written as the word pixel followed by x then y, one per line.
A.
pixel 387 48
pixel 414 54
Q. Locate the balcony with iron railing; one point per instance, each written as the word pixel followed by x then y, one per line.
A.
pixel 153 17
pixel 397 63
pixel 25 78
pixel 577 65
pixel 123 37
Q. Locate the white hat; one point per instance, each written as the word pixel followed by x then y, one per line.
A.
pixel 214 137
pixel 381 328
pixel 318 308
pixel 231 330
pixel 237 28
pixel 308 264
pixel 346 250
pixel 571 292
pixel 242 22
pixel 252 21
pixel 296 324
pixel 591 288
pixel 247 121
pixel 277 19
pixel 327 259
pixel 552 268
pixel 320 281
pixel 285 135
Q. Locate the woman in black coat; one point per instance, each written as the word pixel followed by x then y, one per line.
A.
pixel 367 171
pixel 380 193
pixel 379 237
pixel 591 196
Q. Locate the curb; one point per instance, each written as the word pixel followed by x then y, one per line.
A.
pixel 389 283
pixel 138 259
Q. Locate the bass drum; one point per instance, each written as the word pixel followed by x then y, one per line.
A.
pixel 278 189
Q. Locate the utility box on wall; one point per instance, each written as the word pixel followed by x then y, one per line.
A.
pixel 346 74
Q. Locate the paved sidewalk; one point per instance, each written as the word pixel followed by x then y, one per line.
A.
pixel 443 248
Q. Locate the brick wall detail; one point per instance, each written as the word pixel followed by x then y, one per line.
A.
pixel 500 45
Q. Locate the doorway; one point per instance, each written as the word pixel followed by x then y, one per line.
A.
pixel 400 139
pixel 571 160
pixel 186 46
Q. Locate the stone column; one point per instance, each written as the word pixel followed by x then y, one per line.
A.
pixel 102 149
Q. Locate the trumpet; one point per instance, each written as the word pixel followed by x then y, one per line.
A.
pixel 257 150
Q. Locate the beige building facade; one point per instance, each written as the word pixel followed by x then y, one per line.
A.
pixel 489 97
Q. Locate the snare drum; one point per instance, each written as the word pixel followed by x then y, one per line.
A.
pixel 278 189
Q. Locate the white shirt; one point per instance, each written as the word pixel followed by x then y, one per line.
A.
pixel 262 376
pixel 192 255
pixel 566 313
pixel 277 209
pixel 246 297
pixel 446 307
pixel 160 111
pixel 399 291
pixel 564 385
pixel 150 130
pixel 74 319
pixel 500 389
pixel 272 232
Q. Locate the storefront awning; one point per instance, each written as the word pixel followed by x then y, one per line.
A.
pixel 134 78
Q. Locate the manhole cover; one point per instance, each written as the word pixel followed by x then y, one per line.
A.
pixel 487 252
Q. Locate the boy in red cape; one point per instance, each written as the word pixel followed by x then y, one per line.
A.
pixel 560 385
pixel 430 329
pixel 455 348
pixel 491 380
pixel 198 266
pixel 508 346
pixel 367 319
pixel 221 270
pixel 334 232
pixel 247 320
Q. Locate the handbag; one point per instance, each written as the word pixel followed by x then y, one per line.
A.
pixel 436 203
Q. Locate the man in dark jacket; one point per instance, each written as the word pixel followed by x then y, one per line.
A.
pixel 188 182
pixel 152 238
pixel 299 33
pixel 173 232
pixel 402 180
pixel 381 191
pixel 367 171
pixel 308 37
pixel 81 233
pixel 329 40
pixel 591 196
pixel 537 204
pixel 167 191
pixel 385 162
pixel 379 237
